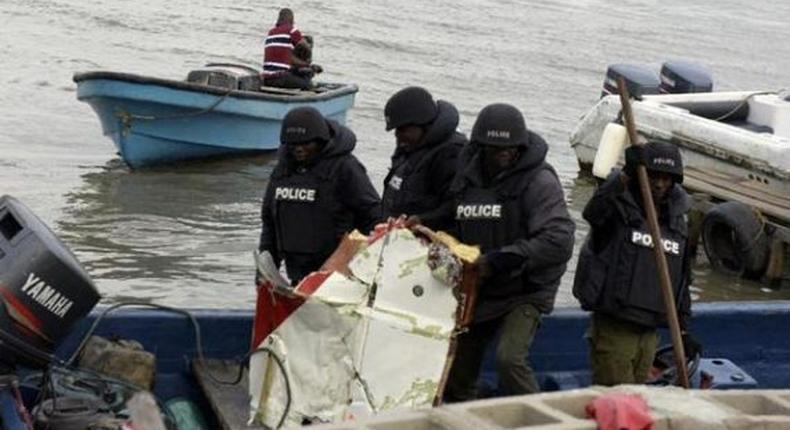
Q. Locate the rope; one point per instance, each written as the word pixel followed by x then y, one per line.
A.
pixel 127 117
pixel 743 102
pixel 281 365
pixel 193 321
pixel 763 221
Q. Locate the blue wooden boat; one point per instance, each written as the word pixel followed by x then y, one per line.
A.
pixel 749 335
pixel 219 110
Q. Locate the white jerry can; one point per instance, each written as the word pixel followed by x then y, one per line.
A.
pixel 613 141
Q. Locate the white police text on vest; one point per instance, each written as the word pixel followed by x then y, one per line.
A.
pixel 646 240
pixel 295 194
pixel 478 212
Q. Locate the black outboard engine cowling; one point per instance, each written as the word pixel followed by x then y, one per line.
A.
pixel 43 288
pixel 638 79
pixel 679 77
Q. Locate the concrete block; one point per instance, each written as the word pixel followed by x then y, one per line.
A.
pixel 752 403
pixel 672 408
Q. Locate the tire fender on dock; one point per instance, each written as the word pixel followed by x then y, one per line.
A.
pixel 735 240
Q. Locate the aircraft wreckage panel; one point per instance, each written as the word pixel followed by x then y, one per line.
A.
pixel 347 354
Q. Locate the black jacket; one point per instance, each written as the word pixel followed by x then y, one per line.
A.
pixel 307 209
pixel 616 273
pixel 418 182
pixel 522 225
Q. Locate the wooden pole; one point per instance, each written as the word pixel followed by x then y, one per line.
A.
pixel 655 232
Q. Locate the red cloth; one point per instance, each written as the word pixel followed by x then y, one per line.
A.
pixel 620 412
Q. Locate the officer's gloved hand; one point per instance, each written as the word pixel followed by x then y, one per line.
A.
pixel 691 346
pixel 634 156
pixel 316 68
pixel 483 268
pixel 412 221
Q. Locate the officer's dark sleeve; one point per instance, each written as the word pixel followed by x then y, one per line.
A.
pixel 550 229
pixel 602 206
pixel 268 241
pixel 443 171
pixel 356 192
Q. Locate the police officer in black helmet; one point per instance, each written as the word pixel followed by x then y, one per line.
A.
pixel 616 277
pixel 509 201
pixel 424 161
pixel 317 192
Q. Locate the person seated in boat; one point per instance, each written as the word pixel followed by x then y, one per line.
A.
pixel 425 158
pixel 287 55
pixel 617 277
pixel 317 192
pixel 508 201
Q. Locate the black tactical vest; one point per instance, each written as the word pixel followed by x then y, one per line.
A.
pixel 303 211
pixel 622 279
pixel 492 218
pixel 407 188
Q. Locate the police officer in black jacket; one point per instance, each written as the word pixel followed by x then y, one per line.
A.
pixel 317 192
pixel 424 162
pixel 509 201
pixel 616 276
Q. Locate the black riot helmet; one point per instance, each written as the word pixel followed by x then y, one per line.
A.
pixel 410 106
pixel 664 157
pixel 302 125
pixel 500 124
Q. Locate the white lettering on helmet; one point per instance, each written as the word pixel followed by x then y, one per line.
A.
pixel 294 194
pixel 296 130
pixel 663 160
pixel 646 240
pixel 478 212
pixel 504 134
pixel 396 182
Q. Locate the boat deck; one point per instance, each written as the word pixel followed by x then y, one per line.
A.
pixel 229 402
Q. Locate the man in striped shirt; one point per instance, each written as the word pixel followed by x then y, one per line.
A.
pixel 281 68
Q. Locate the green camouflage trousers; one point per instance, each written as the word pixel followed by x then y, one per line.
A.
pixel 621 352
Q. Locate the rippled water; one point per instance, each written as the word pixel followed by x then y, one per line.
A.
pixel 184 235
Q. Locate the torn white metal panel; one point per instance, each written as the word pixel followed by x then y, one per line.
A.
pixel 408 289
pixel 346 355
pixel 315 346
pixel 402 369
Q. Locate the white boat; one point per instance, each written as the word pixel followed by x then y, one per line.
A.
pixel 735 148
pixel 743 156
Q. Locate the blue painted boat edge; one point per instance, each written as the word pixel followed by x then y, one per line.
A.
pixel 750 334
pixel 338 90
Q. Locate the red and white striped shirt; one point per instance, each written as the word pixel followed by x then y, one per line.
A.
pixel 278 48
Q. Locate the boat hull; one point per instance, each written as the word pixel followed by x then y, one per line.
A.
pixel 748 333
pixel 156 121
pixel 720 159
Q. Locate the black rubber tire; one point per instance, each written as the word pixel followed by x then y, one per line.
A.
pixel 735 240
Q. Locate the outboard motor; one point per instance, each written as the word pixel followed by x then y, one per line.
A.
pixel 678 77
pixel 43 288
pixel 638 79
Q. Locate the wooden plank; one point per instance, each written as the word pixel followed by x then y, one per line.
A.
pixel 727 187
pixel 230 403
